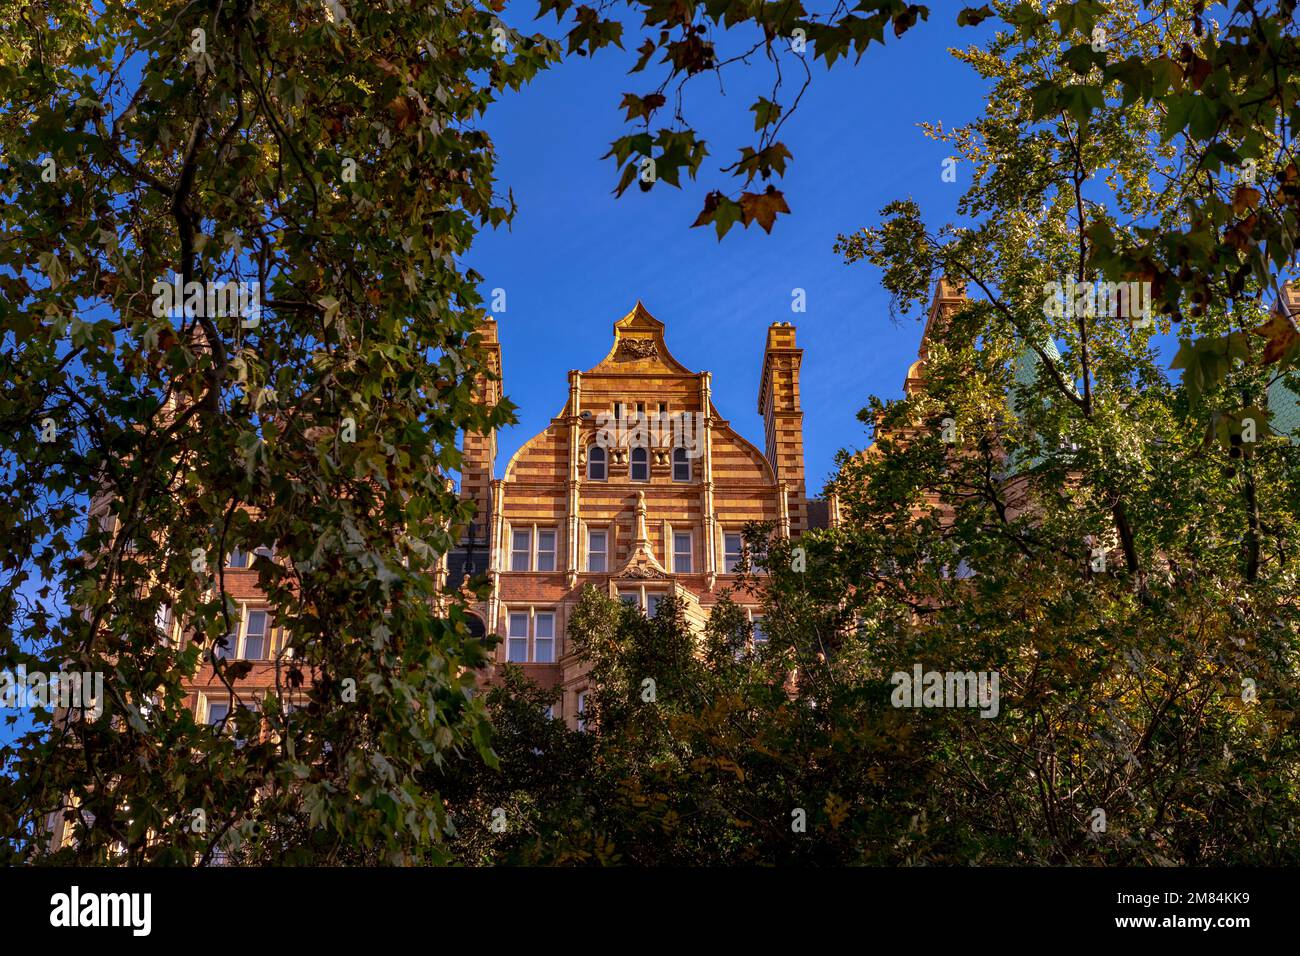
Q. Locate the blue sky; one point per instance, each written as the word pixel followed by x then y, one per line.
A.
pixel 576 259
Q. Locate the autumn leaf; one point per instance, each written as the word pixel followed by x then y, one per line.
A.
pixel 646 50
pixel 837 809
pixel 1198 71
pixel 973 16
pixel 403 110
pixel 641 106
pixel 1246 197
pixel 763 207
pixel 719 210
pixel 1282 335
pixel 766 112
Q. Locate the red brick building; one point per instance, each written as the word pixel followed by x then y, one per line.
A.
pixel 638 486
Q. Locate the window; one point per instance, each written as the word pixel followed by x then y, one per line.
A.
pixel 596 551
pixel 582 710
pixel 760 635
pixel 163 619
pixel 521 548
pixel 255 636
pixel 681 465
pixel 265 551
pixel 233 728
pixel 237 559
pixel 640 409
pixel 618 411
pixel 231 649
pixel 537 625
pixel 545 550
pixel 248 639
pixel 640 465
pixel 732 546
pixel 682 553
pixel 217 713
pixel 596 462
pixel 517 643
pixel 663 408
pixel 641 599
pixel 544 637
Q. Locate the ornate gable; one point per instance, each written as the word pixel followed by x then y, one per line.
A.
pixel 639 346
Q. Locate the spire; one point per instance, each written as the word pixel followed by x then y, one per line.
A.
pixel 949 297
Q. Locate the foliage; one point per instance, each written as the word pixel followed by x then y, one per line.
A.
pixel 333 158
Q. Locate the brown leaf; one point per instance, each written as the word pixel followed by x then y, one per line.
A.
pixel 763 207
pixel 404 111
pixel 1246 197
pixel 1198 71
pixel 1239 235
pixel 1282 335
pixel 706 214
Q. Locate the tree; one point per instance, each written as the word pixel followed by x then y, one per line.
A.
pixel 1124 540
pixel 330 157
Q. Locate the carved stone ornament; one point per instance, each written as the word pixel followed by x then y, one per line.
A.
pixel 640 571
pixel 638 348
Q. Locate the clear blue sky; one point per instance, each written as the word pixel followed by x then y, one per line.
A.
pixel 576 259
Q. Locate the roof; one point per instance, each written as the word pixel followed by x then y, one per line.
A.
pixel 639 346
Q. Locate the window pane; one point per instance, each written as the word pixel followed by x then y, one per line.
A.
pixel 651 604
pixel 630 597
pixel 596 463
pixel 232 643
pixel 517 650
pixel 596 551
pixel 682 553
pixel 519 624
pixel 543 650
pixel 217 713
pixel 546 551
pixel 237 559
pixel 731 559
pixel 640 465
pixel 255 636
pixel 545 624
pixel 520 551
pixel 681 465
pixel 760 636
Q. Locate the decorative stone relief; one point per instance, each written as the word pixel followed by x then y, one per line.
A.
pixel 638 348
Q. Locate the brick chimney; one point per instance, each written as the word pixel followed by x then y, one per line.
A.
pixel 778 403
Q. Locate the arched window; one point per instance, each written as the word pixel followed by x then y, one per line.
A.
pixel 681 465
pixel 640 465
pixel 596 463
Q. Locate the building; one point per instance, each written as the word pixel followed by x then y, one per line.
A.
pixel 639 486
